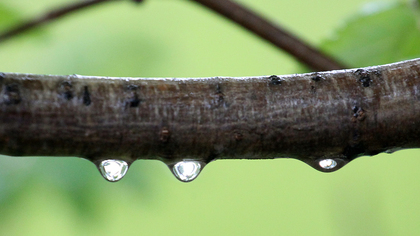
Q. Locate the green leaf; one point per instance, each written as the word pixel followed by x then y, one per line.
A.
pixel 380 34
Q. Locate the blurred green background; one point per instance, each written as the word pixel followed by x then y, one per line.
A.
pixel 67 196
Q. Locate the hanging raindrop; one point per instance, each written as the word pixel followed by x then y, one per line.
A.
pixel 187 171
pixel 327 164
pixel 113 170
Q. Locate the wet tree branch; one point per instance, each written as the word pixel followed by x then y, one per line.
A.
pixel 261 27
pixel 337 115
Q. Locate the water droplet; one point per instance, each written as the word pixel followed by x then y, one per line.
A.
pixel 327 163
pixel 113 170
pixel 187 171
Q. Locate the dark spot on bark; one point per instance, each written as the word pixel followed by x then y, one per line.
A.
pixel 365 81
pixel 364 77
pixel 275 80
pixel 220 99
pixel 133 99
pixel 165 135
pixel 313 89
pixel 2 77
pixel 377 75
pixel 358 114
pixel 67 90
pixel 219 94
pixel 361 115
pixel 354 117
pixel 218 89
pixel 317 78
pixel 12 94
pixel 355 109
pixel 86 96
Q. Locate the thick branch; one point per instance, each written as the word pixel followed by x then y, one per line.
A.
pixel 233 11
pixel 339 115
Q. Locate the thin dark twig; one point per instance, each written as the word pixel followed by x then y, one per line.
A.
pixel 50 16
pixel 306 54
pixel 282 39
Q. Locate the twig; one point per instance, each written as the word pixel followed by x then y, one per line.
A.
pixel 337 115
pixel 233 11
pixel 282 39
pixel 50 16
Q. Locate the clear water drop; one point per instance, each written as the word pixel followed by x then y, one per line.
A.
pixel 113 170
pixel 327 163
pixel 187 170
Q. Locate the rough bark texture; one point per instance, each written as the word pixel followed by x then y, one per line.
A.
pixel 339 115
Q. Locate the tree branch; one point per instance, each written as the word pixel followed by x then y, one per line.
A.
pixel 337 115
pixel 274 34
pixel 48 17
pixel 261 27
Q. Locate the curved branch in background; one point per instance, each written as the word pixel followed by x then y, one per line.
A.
pixel 276 35
pixel 324 118
pixel 279 37
pixel 50 16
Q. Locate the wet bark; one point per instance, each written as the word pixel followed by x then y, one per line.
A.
pixel 338 115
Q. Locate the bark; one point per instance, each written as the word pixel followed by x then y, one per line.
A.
pixel 339 115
